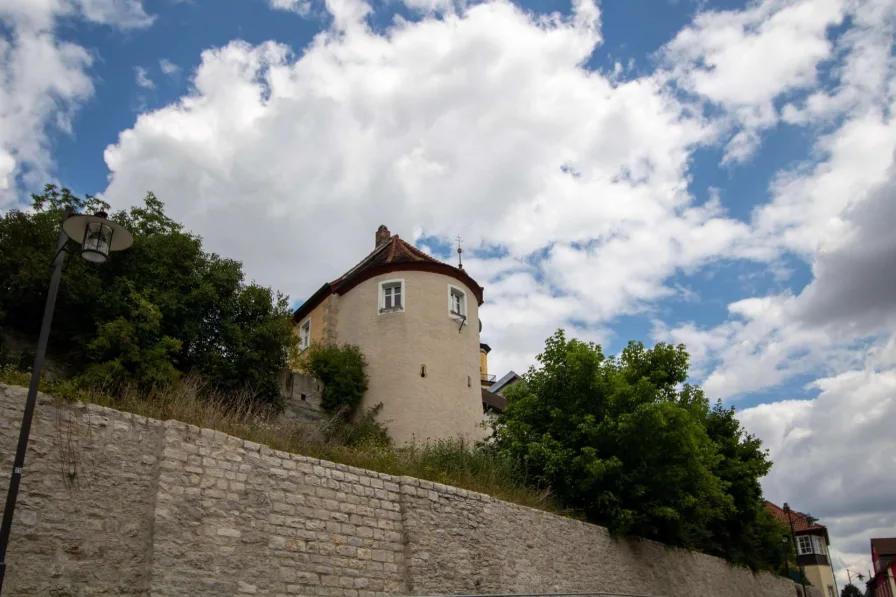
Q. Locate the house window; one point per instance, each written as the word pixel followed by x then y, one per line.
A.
pixel 818 542
pixel 457 301
pixel 305 334
pixel 391 296
pixel 831 592
pixel 804 544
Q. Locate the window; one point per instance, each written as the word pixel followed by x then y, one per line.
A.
pixel 804 544
pixel 305 334
pixel 457 301
pixel 391 296
pixel 831 592
pixel 818 543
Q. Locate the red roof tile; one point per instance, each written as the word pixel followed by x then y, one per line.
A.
pixel 800 520
pixel 392 255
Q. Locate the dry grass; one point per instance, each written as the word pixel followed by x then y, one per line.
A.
pixel 456 463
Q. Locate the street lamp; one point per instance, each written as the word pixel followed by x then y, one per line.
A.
pixel 786 509
pixel 97 237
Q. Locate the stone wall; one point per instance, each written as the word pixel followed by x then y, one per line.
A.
pixel 114 504
pixel 302 395
pixel 83 522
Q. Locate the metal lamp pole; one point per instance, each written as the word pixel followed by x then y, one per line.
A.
pixel 98 236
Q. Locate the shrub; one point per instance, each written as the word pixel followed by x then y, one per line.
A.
pixel 342 371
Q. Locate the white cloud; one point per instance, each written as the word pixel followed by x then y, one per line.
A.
pixel 459 124
pixel 852 296
pixel 45 81
pixel 742 60
pixel 168 67
pixel 301 7
pixel 834 454
pixel 143 80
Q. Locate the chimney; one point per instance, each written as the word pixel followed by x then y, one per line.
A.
pixel 382 235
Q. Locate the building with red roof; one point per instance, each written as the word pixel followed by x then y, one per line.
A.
pixel 416 320
pixel 883 556
pixel 811 542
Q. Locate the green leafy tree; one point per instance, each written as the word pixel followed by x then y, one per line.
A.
pixel 751 535
pixel 851 590
pixel 342 370
pixel 161 308
pixel 629 443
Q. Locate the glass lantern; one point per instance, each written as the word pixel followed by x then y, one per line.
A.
pixel 97 240
pixel 97 235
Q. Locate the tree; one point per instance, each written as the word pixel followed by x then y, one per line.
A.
pixel 851 590
pixel 162 308
pixel 634 447
pixel 750 535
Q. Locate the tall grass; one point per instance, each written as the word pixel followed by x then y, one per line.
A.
pixel 191 400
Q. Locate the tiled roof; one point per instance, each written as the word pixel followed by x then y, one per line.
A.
pixel 499 403
pixel 392 255
pixel 800 520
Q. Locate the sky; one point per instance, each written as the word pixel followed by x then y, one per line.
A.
pixel 718 174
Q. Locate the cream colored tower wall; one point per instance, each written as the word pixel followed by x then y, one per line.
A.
pixel 447 402
pixel 821 577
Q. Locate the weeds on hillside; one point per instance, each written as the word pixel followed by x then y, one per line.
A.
pixel 361 443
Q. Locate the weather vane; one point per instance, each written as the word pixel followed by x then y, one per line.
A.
pixel 460 259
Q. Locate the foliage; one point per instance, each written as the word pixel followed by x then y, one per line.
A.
pixel 629 443
pixel 363 431
pixel 160 309
pixel 15 360
pixel 851 590
pixel 751 536
pixel 342 371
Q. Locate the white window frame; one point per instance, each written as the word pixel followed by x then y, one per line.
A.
pixel 307 334
pixel 831 592
pixel 464 314
pixel 818 545
pixel 804 547
pixel 381 293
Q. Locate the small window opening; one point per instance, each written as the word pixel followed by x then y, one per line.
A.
pixel 457 303
pixel 392 296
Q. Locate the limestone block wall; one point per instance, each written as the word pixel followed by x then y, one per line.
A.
pixel 464 543
pixel 83 522
pixel 114 504
pixel 233 518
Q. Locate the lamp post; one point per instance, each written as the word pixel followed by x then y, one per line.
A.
pixel 786 509
pixel 97 237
